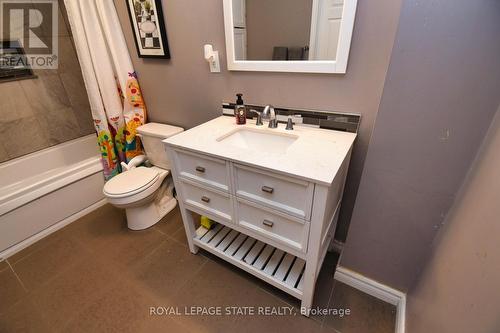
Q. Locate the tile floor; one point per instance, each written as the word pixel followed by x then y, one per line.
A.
pixel 97 276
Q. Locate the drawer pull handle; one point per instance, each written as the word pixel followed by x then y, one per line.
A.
pixel 267 189
pixel 205 199
pixel 200 169
pixel 268 223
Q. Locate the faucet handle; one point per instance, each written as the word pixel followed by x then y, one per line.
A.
pixel 289 124
pixel 259 117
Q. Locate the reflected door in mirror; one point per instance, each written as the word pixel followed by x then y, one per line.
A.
pixel 285 30
pixel 325 30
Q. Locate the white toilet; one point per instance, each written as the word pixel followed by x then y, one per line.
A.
pixel 145 193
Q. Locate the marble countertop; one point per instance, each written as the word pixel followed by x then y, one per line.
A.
pixel 316 155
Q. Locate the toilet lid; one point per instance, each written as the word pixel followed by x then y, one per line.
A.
pixel 131 181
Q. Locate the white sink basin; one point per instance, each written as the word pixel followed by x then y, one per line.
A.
pixel 259 140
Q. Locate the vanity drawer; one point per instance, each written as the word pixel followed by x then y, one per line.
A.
pixel 288 195
pixel 288 231
pixel 214 203
pixel 203 169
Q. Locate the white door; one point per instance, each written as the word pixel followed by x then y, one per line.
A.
pixel 239 14
pixel 240 44
pixel 325 29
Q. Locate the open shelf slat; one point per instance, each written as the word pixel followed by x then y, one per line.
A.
pixel 219 237
pixel 235 245
pixel 295 272
pixel 227 240
pixel 254 252
pixel 209 235
pixel 281 269
pixel 284 267
pixel 245 248
pixel 273 263
pixel 263 257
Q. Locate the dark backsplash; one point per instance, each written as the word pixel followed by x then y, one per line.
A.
pixel 346 122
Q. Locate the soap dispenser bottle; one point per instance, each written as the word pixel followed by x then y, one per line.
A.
pixel 240 111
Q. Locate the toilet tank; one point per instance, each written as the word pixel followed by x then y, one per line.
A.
pixel 152 135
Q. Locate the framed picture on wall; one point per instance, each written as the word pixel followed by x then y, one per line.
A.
pixel 146 17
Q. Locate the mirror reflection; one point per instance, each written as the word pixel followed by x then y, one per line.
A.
pixel 282 30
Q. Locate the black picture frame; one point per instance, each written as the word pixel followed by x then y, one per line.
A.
pixel 148 44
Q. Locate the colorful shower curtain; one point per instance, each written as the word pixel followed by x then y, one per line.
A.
pixel 111 82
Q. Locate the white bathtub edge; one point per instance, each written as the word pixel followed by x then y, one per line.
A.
pixel 73 174
pixel 44 233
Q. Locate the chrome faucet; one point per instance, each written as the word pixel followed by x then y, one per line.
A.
pixel 270 114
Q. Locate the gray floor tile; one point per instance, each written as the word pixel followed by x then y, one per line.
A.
pixel 24 317
pixel 95 275
pixel 367 313
pixel 11 290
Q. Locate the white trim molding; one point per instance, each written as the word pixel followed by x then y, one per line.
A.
pixel 378 290
pixel 338 66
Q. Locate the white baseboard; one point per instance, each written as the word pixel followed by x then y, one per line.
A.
pixel 53 228
pixel 378 290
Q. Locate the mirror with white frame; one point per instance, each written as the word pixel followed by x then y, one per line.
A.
pixel 309 36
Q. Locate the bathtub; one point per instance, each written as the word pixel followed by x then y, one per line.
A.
pixel 46 190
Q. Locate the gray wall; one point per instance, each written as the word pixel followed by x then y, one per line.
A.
pixel 458 290
pixel 183 92
pixel 441 92
pixel 41 112
pixel 276 23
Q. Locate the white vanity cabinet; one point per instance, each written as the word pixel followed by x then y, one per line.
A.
pixel 273 225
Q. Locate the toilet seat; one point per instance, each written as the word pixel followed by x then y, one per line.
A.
pixel 131 182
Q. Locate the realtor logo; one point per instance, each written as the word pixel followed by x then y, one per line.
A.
pixel 33 26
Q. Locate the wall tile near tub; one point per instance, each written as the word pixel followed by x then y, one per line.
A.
pixel 84 119
pixel 59 125
pixel 22 136
pixel 63 24
pixel 13 102
pixel 4 156
pixel 75 89
pixel 49 109
pixel 68 61
pixel 45 93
